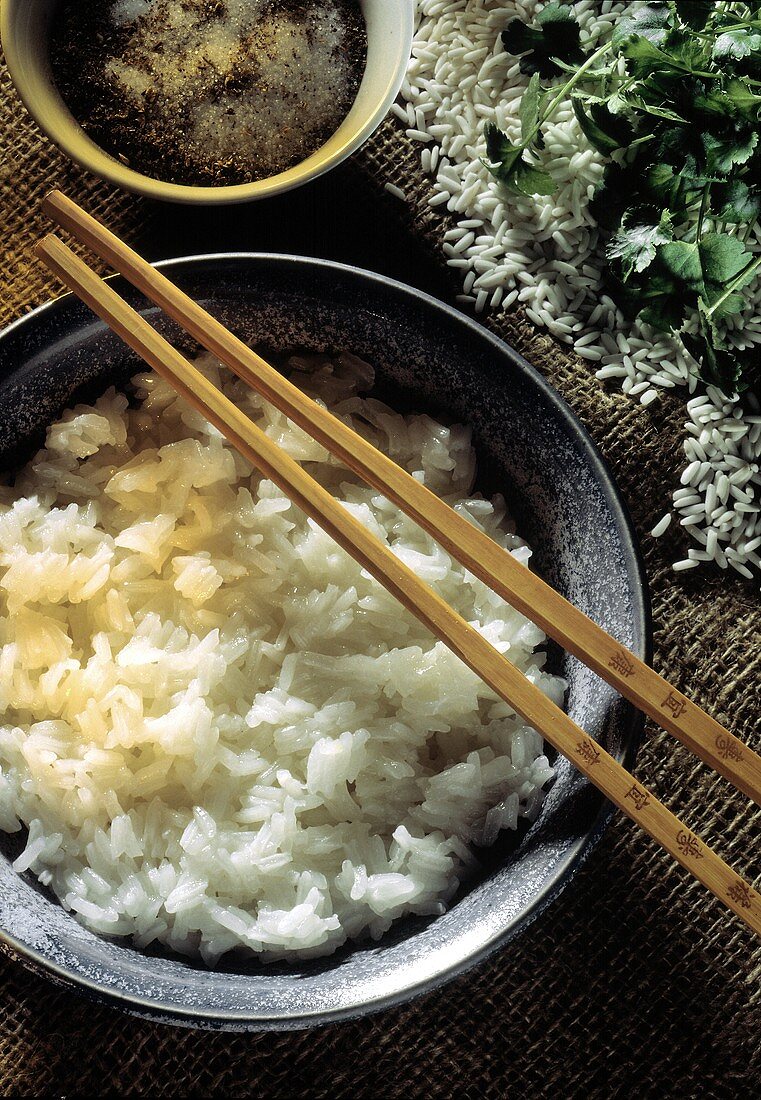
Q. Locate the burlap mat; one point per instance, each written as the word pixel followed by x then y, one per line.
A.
pixel 635 983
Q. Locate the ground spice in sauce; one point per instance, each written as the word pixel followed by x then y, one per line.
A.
pixel 209 92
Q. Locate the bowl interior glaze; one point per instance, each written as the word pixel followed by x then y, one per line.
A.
pixel 530 447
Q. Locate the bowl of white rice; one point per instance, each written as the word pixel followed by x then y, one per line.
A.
pixel 240 787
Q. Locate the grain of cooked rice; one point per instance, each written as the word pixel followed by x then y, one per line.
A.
pixel 219 731
pixel 547 248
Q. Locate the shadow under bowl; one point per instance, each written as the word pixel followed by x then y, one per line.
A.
pixel 530 447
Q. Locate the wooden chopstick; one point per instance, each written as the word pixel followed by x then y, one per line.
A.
pixel 525 591
pixel 554 724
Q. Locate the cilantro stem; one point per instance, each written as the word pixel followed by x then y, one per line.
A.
pixel 657 160
pixel 695 72
pixel 702 211
pixel 738 280
pixel 744 25
pixel 566 88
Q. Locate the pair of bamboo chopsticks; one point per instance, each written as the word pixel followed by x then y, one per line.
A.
pixel 525 591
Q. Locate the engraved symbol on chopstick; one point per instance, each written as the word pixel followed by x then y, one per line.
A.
pixel 639 797
pixel 689 845
pixel 622 663
pixel 740 892
pixel 728 748
pixel 587 750
pixel 674 704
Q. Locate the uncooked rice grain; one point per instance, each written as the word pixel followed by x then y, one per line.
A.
pixel 460 77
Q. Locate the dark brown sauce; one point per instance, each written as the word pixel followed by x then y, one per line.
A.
pixel 209 92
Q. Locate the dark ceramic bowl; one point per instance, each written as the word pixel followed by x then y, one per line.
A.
pixel 532 448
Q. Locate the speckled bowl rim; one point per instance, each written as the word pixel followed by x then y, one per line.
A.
pixel 577 853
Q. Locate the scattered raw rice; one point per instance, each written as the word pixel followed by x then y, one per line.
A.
pixel 661 526
pixel 545 251
pixel 396 192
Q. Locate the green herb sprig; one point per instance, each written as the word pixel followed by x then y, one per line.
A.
pixel 681 196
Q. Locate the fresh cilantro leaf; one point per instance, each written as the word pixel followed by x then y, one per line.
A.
pixel 694 13
pixel 682 259
pixel 725 152
pixel 617 104
pixel 683 127
pixel 745 101
pixel 556 35
pixel 724 298
pixel 718 367
pixel 606 132
pixel 654 296
pixel 507 164
pixel 732 304
pixel 680 147
pixel 659 112
pixel 736 203
pixel 636 242
pixel 651 22
pixel 723 256
pixel 666 185
pixel 529 108
pixel 736 44
pixel 518 37
pixel 709 328
pixel 712 105
pixel 556 15
pixel 664 313
pixel 715 258
pixel 599 72
pixel 664 88
pixel 663 184
pixel 501 153
pixel 644 56
pixel 530 180
pixel 683 54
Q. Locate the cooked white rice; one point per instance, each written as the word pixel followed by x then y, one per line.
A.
pixel 219 731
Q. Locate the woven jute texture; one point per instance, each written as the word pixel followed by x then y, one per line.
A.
pixel 634 983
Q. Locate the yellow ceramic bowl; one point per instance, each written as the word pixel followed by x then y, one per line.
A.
pixel 25 29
